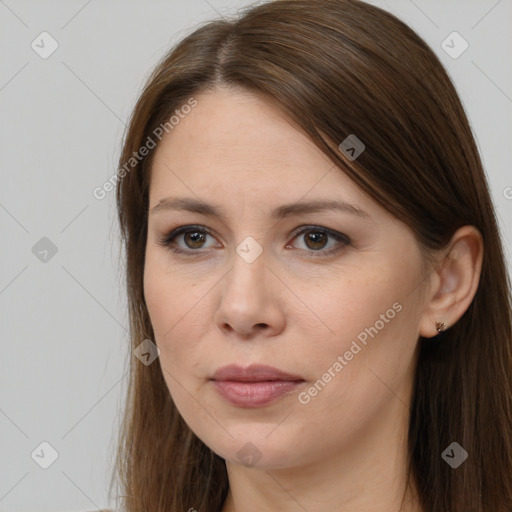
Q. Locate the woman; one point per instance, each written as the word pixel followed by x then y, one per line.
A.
pixel 318 296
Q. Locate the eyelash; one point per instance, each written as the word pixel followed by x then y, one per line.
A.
pixel 168 240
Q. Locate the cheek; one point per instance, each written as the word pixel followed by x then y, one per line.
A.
pixel 179 303
pixel 173 315
pixel 369 351
pixel 169 294
pixel 347 305
pixel 173 306
pixel 367 318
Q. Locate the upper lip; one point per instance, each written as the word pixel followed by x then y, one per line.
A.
pixel 253 373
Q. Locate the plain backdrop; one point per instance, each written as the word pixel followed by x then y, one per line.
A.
pixel 64 357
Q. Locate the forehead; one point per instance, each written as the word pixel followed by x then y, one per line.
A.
pixel 235 125
pixel 236 142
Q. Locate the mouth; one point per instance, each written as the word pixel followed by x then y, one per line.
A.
pixel 254 386
pixel 253 373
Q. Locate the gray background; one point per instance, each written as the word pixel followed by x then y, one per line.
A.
pixel 63 323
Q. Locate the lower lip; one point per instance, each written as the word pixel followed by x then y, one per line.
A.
pixel 254 394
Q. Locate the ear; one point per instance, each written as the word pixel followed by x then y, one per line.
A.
pixel 454 281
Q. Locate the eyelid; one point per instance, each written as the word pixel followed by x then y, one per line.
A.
pixel 311 227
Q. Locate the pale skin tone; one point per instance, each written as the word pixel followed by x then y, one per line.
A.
pixel 295 307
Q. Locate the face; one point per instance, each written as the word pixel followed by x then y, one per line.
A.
pixel 329 296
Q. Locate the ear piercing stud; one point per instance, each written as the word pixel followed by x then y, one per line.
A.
pixel 440 326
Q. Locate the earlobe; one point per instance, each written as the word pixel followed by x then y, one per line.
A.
pixel 457 278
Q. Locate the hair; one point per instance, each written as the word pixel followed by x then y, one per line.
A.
pixel 335 68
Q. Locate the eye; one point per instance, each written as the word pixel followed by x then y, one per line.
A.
pixel 316 238
pixel 192 236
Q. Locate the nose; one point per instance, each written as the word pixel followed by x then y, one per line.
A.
pixel 250 300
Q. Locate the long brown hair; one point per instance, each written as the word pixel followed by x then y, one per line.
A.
pixel 335 68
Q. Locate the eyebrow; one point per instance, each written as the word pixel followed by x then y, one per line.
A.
pixel 280 212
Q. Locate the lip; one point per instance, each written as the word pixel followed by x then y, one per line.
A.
pixel 255 385
pixel 253 373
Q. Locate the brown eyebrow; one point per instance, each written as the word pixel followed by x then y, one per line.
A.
pixel 195 206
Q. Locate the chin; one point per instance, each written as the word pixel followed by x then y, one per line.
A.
pixel 258 447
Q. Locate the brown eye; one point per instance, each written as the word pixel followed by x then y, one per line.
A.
pixel 315 240
pixel 187 240
pixel 194 239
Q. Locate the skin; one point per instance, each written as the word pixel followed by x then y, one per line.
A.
pixel 345 449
